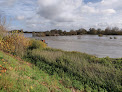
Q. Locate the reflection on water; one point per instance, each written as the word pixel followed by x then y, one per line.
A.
pixel 91 44
pixel 28 34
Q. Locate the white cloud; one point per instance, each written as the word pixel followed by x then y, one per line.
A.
pixel 109 11
pixel 59 10
pixel 88 9
pixel 20 17
pixel 110 2
pixel 63 14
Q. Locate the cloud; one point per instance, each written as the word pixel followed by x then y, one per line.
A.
pixel 7 3
pixel 57 10
pixel 110 2
pixel 69 14
pixel 20 17
pixel 63 14
pixel 88 9
pixel 108 11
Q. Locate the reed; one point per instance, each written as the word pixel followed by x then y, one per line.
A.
pixel 96 73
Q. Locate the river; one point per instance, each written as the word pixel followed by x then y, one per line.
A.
pixel 91 44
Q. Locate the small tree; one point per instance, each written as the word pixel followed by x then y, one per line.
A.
pixel 2 25
pixel 92 31
pixel 2 28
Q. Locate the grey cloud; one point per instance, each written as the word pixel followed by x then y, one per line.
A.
pixel 67 14
pixel 63 19
pixel 102 25
pixel 60 11
pixel 7 3
pixel 49 12
pixel 63 14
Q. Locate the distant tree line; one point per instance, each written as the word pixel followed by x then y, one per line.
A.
pixel 19 31
pixel 82 31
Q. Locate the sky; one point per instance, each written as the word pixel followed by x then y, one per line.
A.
pixel 42 15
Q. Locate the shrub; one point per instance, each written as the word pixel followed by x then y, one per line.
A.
pixel 36 44
pixel 90 72
pixel 14 43
pixel 100 35
pixel 115 37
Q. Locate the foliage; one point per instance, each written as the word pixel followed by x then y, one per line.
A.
pixel 97 73
pixel 100 35
pixel 14 43
pixel 22 76
pixel 67 70
pixel 36 44
pixel 2 27
pixel 81 31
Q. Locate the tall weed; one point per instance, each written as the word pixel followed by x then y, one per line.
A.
pixel 14 43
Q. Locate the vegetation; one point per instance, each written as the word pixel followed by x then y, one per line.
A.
pixel 54 70
pixel 100 35
pixel 21 76
pixel 86 72
pixel 91 31
pixel 14 43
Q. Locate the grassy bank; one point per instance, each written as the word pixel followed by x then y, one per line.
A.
pixel 85 72
pixel 21 76
pixel 44 69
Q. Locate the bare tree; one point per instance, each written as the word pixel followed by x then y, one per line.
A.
pixel 3 23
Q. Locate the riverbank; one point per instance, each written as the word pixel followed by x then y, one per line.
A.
pixel 83 70
pixel 53 69
pixel 90 44
pixel 76 71
pixel 17 75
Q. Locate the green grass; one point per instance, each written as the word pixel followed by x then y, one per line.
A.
pixel 79 70
pixel 54 70
pixel 43 69
pixel 23 76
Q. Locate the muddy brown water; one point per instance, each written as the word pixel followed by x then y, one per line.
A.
pixel 91 44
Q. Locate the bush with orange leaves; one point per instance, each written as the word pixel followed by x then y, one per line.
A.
pixel 14 43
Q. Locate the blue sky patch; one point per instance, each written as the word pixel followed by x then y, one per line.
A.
pixel 92 1
pixel 41 15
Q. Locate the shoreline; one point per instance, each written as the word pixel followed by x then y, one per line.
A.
pixel 100 47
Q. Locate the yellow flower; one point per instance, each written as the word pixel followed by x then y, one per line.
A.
pixel 4 62
pixel 31 87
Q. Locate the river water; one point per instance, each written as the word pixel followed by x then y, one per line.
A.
pixel 91 44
